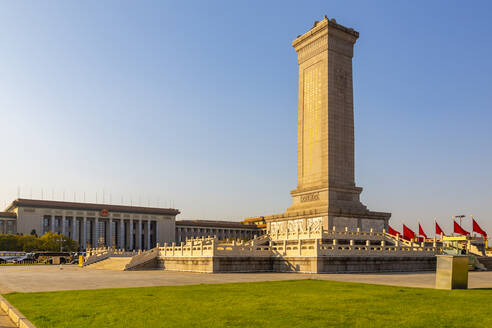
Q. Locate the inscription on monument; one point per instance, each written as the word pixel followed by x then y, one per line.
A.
pixel 310 197
pixel 311 129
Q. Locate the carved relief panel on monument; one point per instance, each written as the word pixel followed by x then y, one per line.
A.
pixel 314 224
pixel 295 225
pixel 278 227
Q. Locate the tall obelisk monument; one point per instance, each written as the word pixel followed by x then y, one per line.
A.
pixel 326 187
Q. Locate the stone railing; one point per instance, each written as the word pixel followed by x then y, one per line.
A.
pixel 192 248
pixel 112 251
pixel 142 258
pixel 94 255
pixel 353 235
pixel 329 234
pixel 300 247
pixel 374 250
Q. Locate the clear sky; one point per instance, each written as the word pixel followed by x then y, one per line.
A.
pixel 195 103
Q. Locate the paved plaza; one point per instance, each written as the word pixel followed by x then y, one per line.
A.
pixel 51 278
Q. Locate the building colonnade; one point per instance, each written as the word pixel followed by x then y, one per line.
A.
pixel 182 233
pixel 128 234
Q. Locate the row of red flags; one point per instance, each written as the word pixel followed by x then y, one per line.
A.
pixel 410 234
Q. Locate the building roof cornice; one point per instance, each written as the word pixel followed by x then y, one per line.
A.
pixel 90 207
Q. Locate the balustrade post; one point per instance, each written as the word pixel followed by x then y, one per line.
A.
pixel 182 248
pixel 368 243
pixel 285 247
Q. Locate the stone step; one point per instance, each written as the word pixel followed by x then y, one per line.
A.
pixel 111 263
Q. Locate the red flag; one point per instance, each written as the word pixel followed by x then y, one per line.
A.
pixel 476 228
pixel 439 230
pixel 392 231
pixel 421 231
pixel 408 233
pixel 459 229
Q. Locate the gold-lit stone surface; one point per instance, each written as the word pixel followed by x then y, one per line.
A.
pixel 325 139
pixel 311 127
pixel 452 272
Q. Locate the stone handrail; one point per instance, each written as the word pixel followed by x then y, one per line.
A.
pixel 313 247
pixel 94 255
pixel 142 258
pixel 192 248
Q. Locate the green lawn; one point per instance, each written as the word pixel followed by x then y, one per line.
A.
pixel 300 303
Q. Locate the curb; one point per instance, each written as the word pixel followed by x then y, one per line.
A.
pixel 17 318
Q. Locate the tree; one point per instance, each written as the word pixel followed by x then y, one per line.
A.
pixel 29 243
pixel 9 243
pixel 51 241
pixel 33 232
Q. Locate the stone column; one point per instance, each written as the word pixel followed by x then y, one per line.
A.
pixel 138 238
pixel 96 233
pixel 75 233
pixel 122 234
pixel 84 233
pixel 130 232
pixel 156 232
pixel 149 246
pixel 110 232
pixel 52 223
pixel 62 220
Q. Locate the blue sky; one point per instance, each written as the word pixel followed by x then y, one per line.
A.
pixel 195 103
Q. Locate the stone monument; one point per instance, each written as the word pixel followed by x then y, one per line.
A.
pixel 326 195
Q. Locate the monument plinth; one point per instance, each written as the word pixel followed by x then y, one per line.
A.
pixel 326 194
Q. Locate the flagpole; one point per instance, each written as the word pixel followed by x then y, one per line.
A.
pixel 435 229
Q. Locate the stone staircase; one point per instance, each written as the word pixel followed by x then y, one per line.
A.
pixel 486 261
pixel 111 263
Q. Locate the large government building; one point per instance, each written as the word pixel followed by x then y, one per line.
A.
pixel 118 226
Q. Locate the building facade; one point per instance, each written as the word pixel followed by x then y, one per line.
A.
pixel 187 229
pixel 92 225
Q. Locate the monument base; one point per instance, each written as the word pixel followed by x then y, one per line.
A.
pixel 300 264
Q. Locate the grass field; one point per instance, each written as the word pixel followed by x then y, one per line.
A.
pixel 300 303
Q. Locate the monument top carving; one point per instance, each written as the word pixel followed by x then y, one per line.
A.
pixel 319 25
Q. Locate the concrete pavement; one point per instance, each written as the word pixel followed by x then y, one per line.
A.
pixel 50 278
